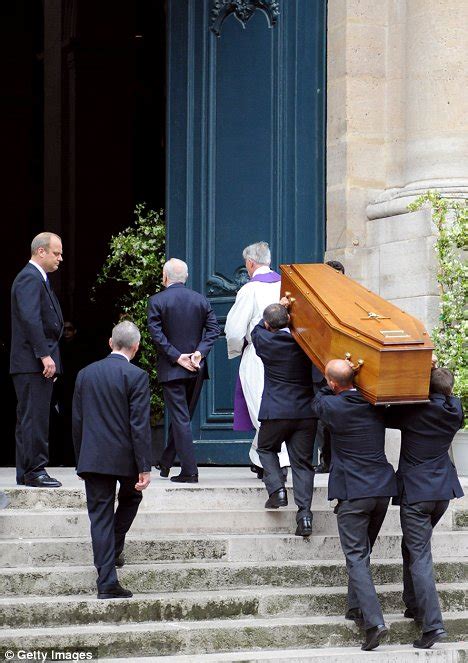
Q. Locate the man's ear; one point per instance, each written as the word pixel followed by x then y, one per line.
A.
pixel 110 344
pixel 267 326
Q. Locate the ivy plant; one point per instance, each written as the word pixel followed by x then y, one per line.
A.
pixel 135 261
pixel 450 334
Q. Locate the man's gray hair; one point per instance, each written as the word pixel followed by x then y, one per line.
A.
pixel 176 270
pixel 259 253
pixel 42 241
pixel 125 335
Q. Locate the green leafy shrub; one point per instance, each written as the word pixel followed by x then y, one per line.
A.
pixel 135 261
pixel 450 335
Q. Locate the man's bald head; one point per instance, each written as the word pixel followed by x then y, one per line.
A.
pixel 175 271
pixel 339 374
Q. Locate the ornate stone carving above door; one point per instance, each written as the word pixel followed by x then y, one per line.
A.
pixel 243 10
pixel 222 286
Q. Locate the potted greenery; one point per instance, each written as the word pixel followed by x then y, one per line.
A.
pixel 135 262
pixel 450 335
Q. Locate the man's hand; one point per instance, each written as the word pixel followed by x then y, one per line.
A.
pixel 196 359
pixel 186 362
pixel 144 479
pixel 49 367
pixel 284 301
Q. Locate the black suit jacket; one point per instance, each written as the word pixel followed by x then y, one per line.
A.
pixel 180 321
pixel 288 390
pixel 359 467
pixel 111 418
pixel 36 323
pixel 425 471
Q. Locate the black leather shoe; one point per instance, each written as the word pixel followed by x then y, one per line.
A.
pixel 354 614
pixel 430 638
pixel 114 592
pixel 304 526
pixel 374 636
pixel 411 614
pixel 185 478
pixel 322 469
pixel 277 499
pixel 43 481
pixel 120 561
pixel 163 470
pixel 257 470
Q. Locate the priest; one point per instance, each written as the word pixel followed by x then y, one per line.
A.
pixel 251 300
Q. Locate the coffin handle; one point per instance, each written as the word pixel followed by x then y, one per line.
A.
pixel 287 294
pixel 356 367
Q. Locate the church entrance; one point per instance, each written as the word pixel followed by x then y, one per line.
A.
pixel 214 111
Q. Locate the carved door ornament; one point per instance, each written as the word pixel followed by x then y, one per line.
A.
pixel 243 10
pixel 221 286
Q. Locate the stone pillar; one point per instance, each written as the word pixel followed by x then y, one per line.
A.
pixel 436 106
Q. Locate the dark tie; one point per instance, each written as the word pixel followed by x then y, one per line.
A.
pixel 48 285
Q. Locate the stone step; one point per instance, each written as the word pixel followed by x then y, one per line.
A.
pixel 216 547
pixel 441 653
pixel 32 612
pixel 199 576
pixel 71 523
pixel 195 638
pixel 165 496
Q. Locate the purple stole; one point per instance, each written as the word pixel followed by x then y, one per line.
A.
pixel 242 420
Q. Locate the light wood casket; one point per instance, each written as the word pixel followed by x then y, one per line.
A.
pixel 333 317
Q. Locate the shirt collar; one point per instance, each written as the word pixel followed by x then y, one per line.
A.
pixel 285 329
pixel 117 352
pixel 263 269
pixel 44 275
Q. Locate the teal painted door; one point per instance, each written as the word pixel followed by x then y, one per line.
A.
pixel 245 161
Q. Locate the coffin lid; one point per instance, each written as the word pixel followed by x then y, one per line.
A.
pixel 355 307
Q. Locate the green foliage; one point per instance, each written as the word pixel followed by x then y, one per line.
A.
pixel 136 260
pixel 450 335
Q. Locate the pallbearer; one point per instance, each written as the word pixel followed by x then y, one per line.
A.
pixel 362 480
pixel 427 481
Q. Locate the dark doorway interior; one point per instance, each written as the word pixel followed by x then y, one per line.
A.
pixel 83 112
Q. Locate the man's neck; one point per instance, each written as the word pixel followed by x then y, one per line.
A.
pixel 128 356
pixel 349 387
pixel 39 267
pixel 261 269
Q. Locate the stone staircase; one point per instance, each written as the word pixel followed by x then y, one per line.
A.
pixel 215 577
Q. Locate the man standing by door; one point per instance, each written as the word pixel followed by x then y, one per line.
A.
pixel 252 299
pixel 184 328
pixel 36 328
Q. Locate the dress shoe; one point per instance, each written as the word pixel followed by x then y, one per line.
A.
pixel 120 561
pixel 185 478
pixel 115 591
pixel 304 526
pixel 355 615
pixel 43 481
pixel 257 470
pixel 428 639
pixel 277 499
pixel 411 614
pixel 163 470
pixel 374 636
pixel 322 468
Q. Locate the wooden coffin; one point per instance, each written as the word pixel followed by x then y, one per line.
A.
pixel 334 317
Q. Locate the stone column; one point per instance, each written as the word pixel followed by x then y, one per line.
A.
pixel 436 106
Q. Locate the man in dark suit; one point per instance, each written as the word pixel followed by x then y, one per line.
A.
pixel 362 481
pixel 112 440
pixel 285 414
pixel 183 328
pixel 36 328
pixel 427 481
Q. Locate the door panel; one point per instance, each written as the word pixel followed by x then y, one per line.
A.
pixel 245 162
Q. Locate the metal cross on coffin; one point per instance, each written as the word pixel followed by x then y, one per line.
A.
pixel 371 315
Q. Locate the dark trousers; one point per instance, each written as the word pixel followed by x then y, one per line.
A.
pixel 359 522
pixel 419 590
pixel 181 398
pixel 299 435
pixel 34 393
pixel 322 444
pixel 108 529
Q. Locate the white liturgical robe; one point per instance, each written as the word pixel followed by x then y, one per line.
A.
pixel 246 312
